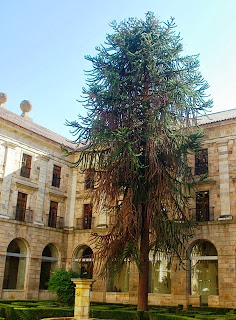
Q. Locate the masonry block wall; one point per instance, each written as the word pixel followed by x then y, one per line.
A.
pixel 47 219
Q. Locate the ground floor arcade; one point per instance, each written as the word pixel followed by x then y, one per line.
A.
pixel 29 254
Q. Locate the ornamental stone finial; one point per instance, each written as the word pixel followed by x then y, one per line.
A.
pixel 3 99
pixel 25 106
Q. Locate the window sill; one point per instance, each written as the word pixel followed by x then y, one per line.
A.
pixel 15 290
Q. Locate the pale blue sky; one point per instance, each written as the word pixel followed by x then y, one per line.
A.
pixel 43 43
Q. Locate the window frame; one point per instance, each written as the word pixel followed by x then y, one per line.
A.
pixel 203 206
pixel 201 161
pixel 56 176
pixel 21 209
pixel 87 216
pixel 26 164
pixel 89 179
pixel 52 216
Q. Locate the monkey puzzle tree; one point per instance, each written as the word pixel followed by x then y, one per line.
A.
pixel 142 98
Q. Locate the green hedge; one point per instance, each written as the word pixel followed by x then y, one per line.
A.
pixel 113 314
pixel 166 316
pixel 133 315
pixel 216 310
pixel 2 312
pixel 15 313
pixel 36 310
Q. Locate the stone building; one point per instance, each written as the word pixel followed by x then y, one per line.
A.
pixel 46 219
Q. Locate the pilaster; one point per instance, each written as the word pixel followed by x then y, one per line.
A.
pixel 41 190
pixel 224 182
pixel 7 181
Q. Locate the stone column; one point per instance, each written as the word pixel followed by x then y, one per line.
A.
pixel 82 298
pixel 41 191
pixel 5 210
pixel 224 182
pixel 72 198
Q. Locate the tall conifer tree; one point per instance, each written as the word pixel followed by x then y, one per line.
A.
pixel 142 97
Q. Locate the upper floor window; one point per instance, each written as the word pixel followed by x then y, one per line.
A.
pixel 89 179
pixel 201 162
pixel 26 165
pixel 56 177
pixel 52 217
pixel 21 206
pixel 87 218
pixel 202 206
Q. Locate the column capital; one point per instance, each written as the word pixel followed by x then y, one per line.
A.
pixel 82 283
pixel 44 157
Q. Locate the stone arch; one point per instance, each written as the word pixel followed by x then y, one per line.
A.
pixel 83 262
pixel 203 258
pixel 199 241
pixel 15 265
pixel 48 264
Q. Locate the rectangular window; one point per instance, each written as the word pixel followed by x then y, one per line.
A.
pixel 26 165
pixel 56 177
pixel 21 206
pixel 89 179
pixel 87 218
pixel 201 162
pixel 52 217
pixel 202 206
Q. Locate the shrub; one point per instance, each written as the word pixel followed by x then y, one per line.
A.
pixel 61 284
pixel 114 314
pixel 37 313
pixel 212 310
pixel 166 316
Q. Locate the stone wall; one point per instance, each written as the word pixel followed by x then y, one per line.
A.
pixel 219 140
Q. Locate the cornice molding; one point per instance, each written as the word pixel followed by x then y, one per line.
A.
pixel 26 185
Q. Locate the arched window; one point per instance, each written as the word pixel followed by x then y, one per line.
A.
pixel 83 263
pixel 14 275
pixel 159 275
pixel 204 270
pixel 48 265
pixel 120 281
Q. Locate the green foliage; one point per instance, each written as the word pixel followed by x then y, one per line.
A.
pixel 18 313
pixel 61 284
pixel 142 315
pixel 166 316
pixel 32 310
pixel 2 311
pixel 211 310
pixel 114 314
pixel 18 310
pixel 142 97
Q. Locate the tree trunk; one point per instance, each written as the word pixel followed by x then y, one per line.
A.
pixel 144 272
